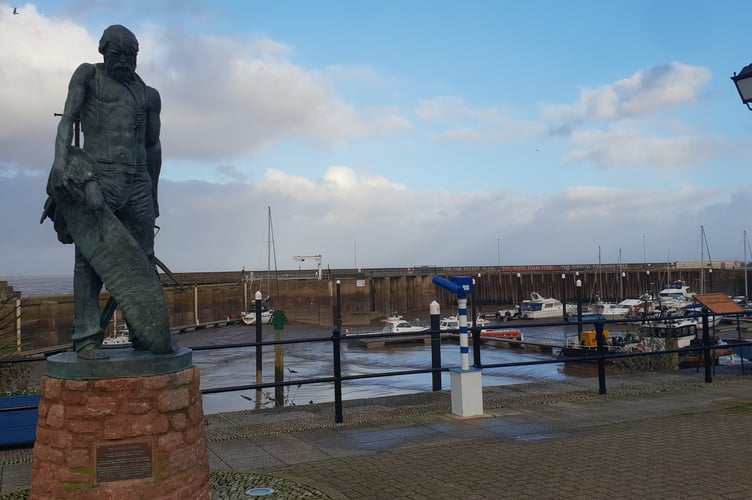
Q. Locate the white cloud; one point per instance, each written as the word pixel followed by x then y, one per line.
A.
pixel 35 66
pixel 207 226
pixel 229 97
pixel 620 105
pixel 644 93
pixel 223 97
pixel 628 147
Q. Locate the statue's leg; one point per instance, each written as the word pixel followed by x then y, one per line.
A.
pixel 137 217
pixel 87 333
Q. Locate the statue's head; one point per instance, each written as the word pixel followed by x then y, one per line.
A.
pixel 119 47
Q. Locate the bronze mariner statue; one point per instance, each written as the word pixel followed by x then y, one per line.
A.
pixel 103 197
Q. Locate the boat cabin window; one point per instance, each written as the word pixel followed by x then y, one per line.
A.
pixel 531 306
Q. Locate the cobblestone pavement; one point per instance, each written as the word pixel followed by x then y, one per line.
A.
pixel 650 436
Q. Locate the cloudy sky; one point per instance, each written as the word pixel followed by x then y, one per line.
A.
pixel 392 133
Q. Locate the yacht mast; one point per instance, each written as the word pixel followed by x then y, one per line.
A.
pixel 704 246
pixel 271 250
pixel 702 259
pixel 621 279
pixel 746 289
pixel 600 290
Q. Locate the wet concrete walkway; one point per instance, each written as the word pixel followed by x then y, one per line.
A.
pixel 651 436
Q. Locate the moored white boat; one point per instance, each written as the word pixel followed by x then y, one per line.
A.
pixel 538 307
pixel 396 324
pixel 694 311
pixel 249 318
pixel 121 338
pixel 449 323
pixel 627 308
pixel 675 296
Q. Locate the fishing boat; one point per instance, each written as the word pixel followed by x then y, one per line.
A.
pixel 683 329
pixel 585 344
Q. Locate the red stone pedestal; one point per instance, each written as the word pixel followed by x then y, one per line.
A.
pixel 122 438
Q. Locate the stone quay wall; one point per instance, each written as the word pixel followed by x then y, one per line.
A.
pixel 367 295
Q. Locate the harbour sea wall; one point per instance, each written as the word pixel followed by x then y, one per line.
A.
pixel 368 295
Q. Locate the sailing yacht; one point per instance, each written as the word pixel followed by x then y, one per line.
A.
pixel 267 313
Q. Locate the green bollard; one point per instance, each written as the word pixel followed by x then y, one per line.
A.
pixel 279 320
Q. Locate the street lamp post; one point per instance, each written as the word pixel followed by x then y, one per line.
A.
pixel 564 296
pixel 743 82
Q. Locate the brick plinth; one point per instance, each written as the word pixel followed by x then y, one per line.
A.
pixel 161 414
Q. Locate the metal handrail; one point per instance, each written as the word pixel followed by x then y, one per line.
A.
pixel 600 356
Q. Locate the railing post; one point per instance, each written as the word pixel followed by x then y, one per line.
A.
pixel 18 325
pixel 706 346
pixel 259 350
pixel 600 340
pixel 195 304
pixel 475 330
pixel 473 320
pixel 578 287
pixel 476 346
pixel 435 311
pixel 519 295
pixel 337 342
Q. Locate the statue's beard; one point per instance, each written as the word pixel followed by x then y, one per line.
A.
pixel 121 72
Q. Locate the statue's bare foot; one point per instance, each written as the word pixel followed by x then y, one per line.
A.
pixel 92 353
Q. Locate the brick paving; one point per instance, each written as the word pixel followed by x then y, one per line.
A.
pixel 691 442
pixel 653 436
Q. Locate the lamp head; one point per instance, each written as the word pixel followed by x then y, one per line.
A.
pixel 743 82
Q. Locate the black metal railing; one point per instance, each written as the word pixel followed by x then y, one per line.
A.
pixel 601 355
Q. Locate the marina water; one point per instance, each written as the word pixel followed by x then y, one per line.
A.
pixel 233 367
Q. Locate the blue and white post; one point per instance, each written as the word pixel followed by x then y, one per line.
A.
pixel 466 382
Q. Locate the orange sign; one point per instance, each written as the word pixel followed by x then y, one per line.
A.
pixel 718 303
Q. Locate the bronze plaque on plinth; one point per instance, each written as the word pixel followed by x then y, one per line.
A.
pixel 122 461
